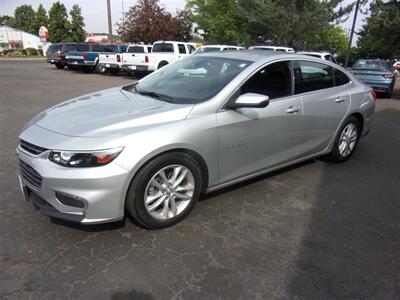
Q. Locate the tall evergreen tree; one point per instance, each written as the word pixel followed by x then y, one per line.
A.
pixel 24 16
pixel 59 26
pixel 77 33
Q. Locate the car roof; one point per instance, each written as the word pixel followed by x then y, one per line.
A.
pixel 314 52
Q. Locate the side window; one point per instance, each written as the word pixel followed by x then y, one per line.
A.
pixel 314 76
pixel 148 49
pixel 82 47
pixel 274 81
pixel 182 49
pixel 97 48
pixel 340 78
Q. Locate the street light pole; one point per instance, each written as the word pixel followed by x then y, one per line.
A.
pixel 109 21
pixel 352 33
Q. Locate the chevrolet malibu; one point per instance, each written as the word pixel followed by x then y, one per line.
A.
pixel 203 123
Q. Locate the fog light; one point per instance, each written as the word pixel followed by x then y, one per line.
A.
pixel 71 200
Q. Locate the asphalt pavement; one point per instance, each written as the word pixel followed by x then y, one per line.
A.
pixel 313 231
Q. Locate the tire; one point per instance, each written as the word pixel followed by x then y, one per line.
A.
pixel 101 70
pixel 142 189
pixel 339 153
pixel 59 66
pixel 162 64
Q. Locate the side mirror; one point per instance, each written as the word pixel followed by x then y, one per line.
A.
pixel 250 100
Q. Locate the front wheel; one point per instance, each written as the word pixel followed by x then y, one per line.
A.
pixel 101 69
pixel 346 140
pixel 164 191
pixel 59 66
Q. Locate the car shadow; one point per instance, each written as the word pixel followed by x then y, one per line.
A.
pixel 350 248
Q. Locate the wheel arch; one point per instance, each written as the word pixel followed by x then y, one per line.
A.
pixel 360 119
pixel 162 63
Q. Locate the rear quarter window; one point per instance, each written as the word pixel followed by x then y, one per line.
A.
pixel 340 78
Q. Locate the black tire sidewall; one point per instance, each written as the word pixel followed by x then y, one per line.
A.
pixel 135 196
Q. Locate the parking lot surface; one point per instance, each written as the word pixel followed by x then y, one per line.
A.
pixel 313 231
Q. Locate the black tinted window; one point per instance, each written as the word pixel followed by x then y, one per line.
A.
pixel 82 47
pixel 148 49
pixel 314 76
pixel 68 47
pixel 191 49
pixel 136 49
pixel 340 78
pixel 110 48
pixel 163 47
pixel 274 81
pixel 54 48
pixel 97 48
pixel 182 49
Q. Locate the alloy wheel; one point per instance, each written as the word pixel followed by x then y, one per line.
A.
pixel 348 140
pixel 169 192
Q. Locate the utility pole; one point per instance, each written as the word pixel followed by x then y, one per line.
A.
pixel 109 21
pixel 351 34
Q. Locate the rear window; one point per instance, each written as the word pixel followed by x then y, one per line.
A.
pixel 81 47
pixel 110 48
pixel 209 49
pixel 371 64
pixel 314 76
pixel 149 49
pixel 163 47
pixel 136 49
pixel 97 48
pixel 54 48
pixel 68 47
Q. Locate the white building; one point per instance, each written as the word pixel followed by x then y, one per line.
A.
pixel 14 38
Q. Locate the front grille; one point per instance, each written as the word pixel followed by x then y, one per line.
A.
pixel 30 175
pixel 36 150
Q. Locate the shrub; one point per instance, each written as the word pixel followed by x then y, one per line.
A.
pixel 31 52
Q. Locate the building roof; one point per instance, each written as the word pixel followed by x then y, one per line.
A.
pixel 8 28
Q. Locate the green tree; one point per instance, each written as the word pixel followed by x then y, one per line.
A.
pixel 77 33
pixel 59 26
pixel 7 20
pixel 41 19
pixel 24 16
pixel 380 36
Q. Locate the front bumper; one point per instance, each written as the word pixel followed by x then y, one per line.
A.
pixel 53 60
pixel 99 192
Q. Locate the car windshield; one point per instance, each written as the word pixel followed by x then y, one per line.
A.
pixel 192 80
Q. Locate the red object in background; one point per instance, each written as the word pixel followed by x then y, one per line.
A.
pixel 373 94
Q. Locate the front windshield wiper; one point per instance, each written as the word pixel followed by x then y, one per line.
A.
pixel 156 95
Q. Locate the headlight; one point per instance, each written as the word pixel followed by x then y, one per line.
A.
pixel 82 159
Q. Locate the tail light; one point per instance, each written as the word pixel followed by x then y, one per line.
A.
pixel 118 58
pixel 84 55
pixel 146 59
pixel 388 75
pixel 373 94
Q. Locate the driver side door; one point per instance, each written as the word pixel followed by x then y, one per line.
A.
pixel 255 139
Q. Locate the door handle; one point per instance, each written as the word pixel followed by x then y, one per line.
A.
pixel 292 109
pixel 340 99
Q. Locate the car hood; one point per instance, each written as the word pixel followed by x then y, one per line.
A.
pixel 108 113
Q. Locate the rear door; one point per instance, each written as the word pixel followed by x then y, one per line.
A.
pixel 325 103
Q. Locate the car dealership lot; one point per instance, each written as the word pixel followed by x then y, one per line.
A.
pixel 313 231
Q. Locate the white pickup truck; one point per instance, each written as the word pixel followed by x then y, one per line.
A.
pixel 162 54
pixel 112 62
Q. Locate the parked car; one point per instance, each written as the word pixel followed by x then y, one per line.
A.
pixel 378 74
pixel 112 62
pixel 198 125
pixel 87 56
pixel 321 55
pixel 56 53
pixel 162 54
pixel 216 48
pixel 135 54
pixel 273 48
pixel 109 56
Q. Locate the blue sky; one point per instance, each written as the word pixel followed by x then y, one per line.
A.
pixel 95 13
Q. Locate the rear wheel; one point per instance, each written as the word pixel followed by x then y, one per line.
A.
pixel 164 191
pixel 346 141
pixel 59 66
pixel 101 69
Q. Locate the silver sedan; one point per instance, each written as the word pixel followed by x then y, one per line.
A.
pixel 203 123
